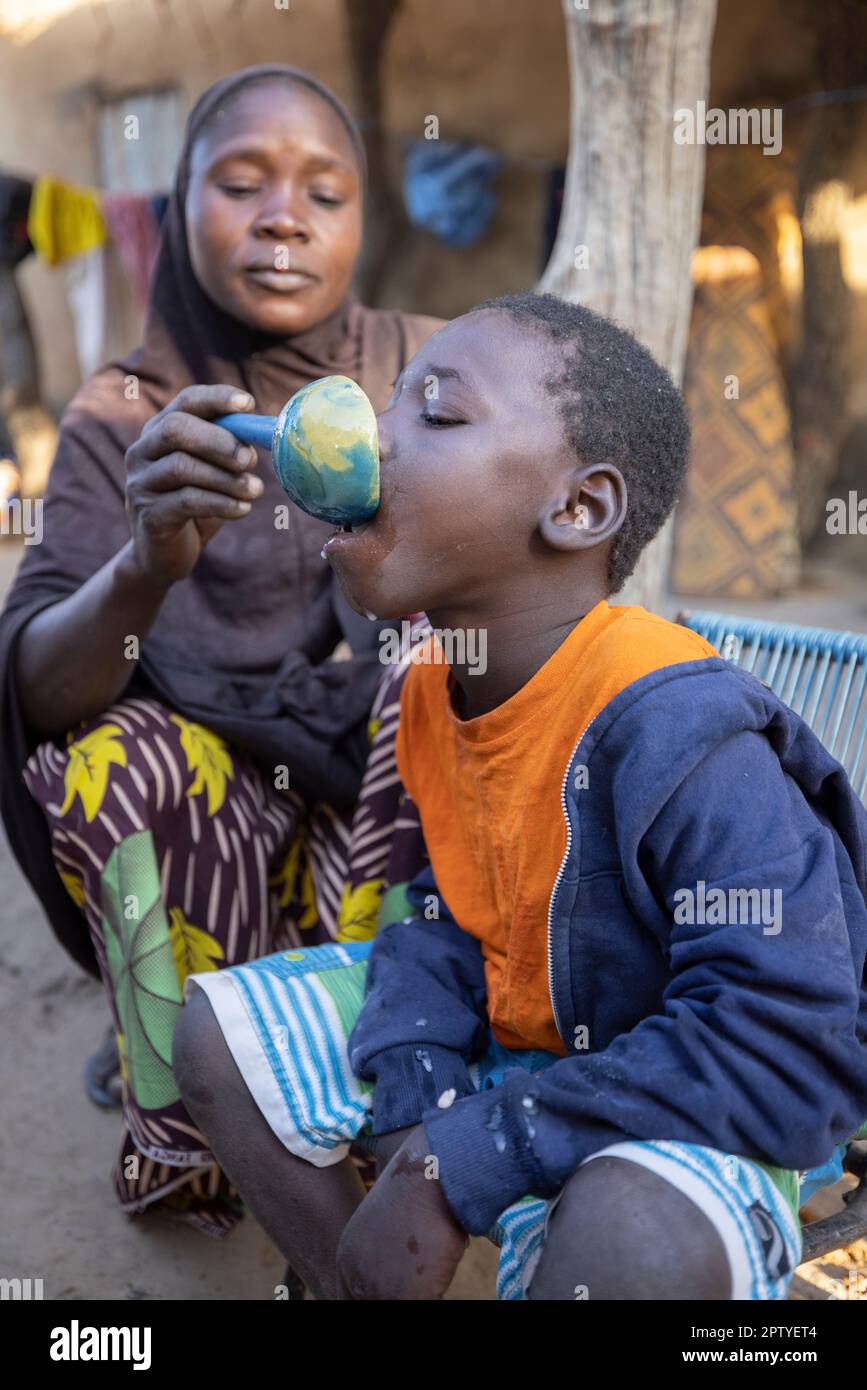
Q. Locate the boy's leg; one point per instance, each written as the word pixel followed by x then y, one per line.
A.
pixel 619 1231
pixel 303 1208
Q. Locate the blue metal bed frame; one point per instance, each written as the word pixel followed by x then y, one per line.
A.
pixel 821 675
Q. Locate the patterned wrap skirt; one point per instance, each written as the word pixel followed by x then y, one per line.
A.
pixel 185 857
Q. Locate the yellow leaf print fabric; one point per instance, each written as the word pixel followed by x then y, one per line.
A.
pixel 189 920
pixel 286 878
pixel 359 909
pixel 86 773
pixel 194 950
pixel 74 887
pixel 208 757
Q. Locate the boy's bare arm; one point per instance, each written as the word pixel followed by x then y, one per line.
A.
pixel 406 1220
pixel 387 1146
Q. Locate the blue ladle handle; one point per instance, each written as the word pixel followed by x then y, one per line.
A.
pixel 324 447
pixel 250 429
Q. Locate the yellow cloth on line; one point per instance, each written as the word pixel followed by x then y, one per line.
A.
pixel 64 220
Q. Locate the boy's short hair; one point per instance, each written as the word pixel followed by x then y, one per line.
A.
pixel 618 406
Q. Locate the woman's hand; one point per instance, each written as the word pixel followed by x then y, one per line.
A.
pixel 185 477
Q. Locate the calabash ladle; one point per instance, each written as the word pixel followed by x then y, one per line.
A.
pixel 324 446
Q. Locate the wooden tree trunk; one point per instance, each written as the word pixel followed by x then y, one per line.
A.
pixel 369 22
pixel 633 196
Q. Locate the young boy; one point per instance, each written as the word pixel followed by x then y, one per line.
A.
pixel 622 1010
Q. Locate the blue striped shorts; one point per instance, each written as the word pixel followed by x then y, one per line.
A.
pixel 286 1019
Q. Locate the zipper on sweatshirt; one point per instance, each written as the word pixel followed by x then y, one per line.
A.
pixel 558 880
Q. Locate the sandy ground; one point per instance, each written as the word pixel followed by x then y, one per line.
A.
pixel 60 1222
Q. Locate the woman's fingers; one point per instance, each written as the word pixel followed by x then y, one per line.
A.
pixel 183 468
pixel 185 426
pixel 208 401
pixel 169 510
pixel 187 434
pixel 179 470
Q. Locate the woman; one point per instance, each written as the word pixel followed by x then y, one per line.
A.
pixel 191 755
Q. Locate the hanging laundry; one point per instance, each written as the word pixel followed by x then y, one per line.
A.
pixel 15 196
pixel 65 224
pixel 85 289
pixel 64 220
pixel 447 188
pixel 133 227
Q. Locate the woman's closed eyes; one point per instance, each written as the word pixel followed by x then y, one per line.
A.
pixel 249 190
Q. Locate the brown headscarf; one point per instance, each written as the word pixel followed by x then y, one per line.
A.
pixel 242 644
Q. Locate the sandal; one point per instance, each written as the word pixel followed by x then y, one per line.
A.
pixel 102 1080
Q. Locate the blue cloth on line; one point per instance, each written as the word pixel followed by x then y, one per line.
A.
pixel 447 188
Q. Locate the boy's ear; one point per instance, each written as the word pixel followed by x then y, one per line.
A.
pixel 588 510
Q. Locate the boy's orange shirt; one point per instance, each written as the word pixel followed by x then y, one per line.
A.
pixel 488 793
